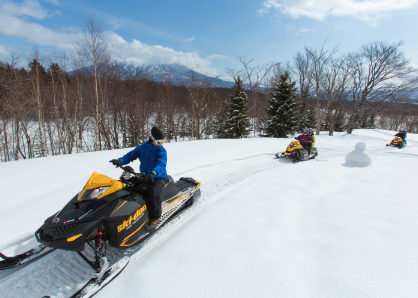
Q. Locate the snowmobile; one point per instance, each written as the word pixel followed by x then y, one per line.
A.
pixel 296 152
pixel 397 142
pixel 107 212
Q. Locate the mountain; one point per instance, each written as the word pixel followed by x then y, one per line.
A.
pixel 176 73
pixel 179 75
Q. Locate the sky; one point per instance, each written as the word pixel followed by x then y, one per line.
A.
pixel 263 227
pixel 207 36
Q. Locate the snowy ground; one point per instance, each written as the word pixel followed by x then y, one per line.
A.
pixel 263 226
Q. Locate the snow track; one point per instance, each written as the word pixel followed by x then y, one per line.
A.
pixel 61 273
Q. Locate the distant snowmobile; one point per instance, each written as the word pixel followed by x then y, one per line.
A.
pixel 296 152
pixel 106 212
pixel 397 142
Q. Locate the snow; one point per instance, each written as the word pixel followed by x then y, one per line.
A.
pixel 263 226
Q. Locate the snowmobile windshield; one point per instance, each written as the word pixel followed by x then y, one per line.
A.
pixel 98 187
pixel 92 194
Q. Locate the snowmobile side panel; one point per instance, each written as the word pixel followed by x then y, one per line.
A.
pixel 125 222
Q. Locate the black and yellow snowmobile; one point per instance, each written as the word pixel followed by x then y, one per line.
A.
pixel 107 212
pixel 397 142
pixel 296 152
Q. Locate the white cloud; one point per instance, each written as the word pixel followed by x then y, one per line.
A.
pixel 190 39
pixel 3 52
pixel 216 56
pixel 367 10
pixel 35 33
pixel 30 8
pixel 65 38
pixel 139 53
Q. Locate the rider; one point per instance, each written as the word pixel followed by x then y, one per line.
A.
pixel 310 131
pixel 402 134
pixel 305 140
pixel 153 158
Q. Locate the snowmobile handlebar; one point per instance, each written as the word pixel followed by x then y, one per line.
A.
pixel 130 176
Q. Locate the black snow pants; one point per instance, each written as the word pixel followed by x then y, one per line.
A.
pixel 153 199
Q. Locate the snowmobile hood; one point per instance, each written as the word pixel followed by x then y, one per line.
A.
pixel 293 146
pixel 99 186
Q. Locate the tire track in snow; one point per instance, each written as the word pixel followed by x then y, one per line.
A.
pixel 61 273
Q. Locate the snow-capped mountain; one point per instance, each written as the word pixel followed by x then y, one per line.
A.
pixel 179 75
pixel 176 73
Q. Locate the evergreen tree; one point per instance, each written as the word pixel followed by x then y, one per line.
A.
pixel 340 122
pixel 219 120
pixel 237 121
pixel 160 122
pixel 324 124
pixel 281 116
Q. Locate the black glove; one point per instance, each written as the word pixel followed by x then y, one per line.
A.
pixel 116 162
pixel 149 178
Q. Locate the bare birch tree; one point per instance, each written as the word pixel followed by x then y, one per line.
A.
pixel 92 51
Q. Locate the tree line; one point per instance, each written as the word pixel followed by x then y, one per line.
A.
pixel 102 104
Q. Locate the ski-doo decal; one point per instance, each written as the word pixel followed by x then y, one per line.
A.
pixel 132 219
pixel 119 207
pixel 127 238
pixel 99 180
pixel 85 214
pixel 74 237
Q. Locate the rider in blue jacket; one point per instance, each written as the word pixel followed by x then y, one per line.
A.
pixel 153 158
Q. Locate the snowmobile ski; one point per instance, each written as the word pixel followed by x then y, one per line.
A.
pixel 24 258
pixel 96 284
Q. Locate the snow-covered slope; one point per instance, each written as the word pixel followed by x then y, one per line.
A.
pixel 263 226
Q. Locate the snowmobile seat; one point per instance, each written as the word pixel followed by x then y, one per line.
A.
pixel 170 190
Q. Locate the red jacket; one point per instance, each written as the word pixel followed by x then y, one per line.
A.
pixel 305 140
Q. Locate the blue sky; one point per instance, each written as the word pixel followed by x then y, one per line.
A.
pixel 206 36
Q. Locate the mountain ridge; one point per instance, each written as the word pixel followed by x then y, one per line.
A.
pixel 176 73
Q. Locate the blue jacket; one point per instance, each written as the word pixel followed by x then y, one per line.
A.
pixel 153 159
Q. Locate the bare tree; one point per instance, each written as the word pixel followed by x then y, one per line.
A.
pixel 380 74
pixel 92 51
pixel 198 91
pixel 318 62
pixel 37 75
pixel 336 80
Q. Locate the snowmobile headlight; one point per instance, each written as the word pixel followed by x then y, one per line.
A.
pixel 98 192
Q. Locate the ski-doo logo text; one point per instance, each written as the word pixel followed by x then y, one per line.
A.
pixel 132 218
pixel 85 214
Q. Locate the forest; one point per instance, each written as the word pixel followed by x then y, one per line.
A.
pixel 86 101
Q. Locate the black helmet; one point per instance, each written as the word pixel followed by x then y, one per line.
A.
pixel 305 131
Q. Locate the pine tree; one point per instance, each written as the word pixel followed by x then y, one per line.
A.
pixel 219 120
pixel 340 123
pixel 237 122
pixel 281 116
pixel 161 122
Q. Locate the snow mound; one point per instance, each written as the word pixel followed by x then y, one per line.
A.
pixel 359 157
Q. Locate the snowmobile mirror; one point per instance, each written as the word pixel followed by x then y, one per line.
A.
pixel 128 169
